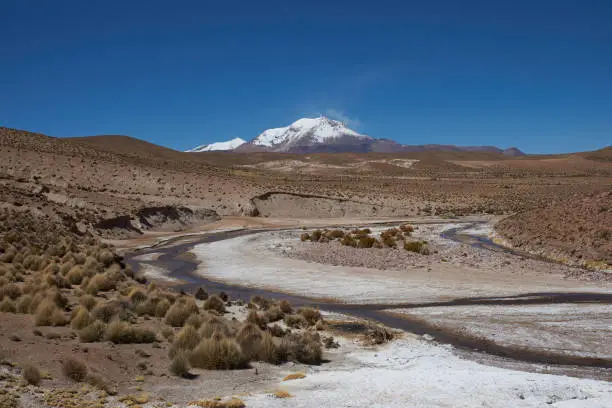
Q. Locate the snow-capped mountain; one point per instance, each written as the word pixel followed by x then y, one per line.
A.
pixel 322 134
pixel 310 135
pixel 229 145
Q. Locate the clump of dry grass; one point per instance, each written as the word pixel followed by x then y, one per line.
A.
pixel 10 290
pixel 31 374
pixel 214 303
pixel 82 318
pixel 88 301
pixel 256 318
pixel 162 307
pixel 249 336
pixel 120 332
pixel 312 316
pixel 48 314
pixel 74 369
pixel 376 335
pixel 180 365
pixel 295 321
pixel 23 304
pixel 218 354
pixel 294 376
pixel 419 247
pixel 180 311
pixel 92 333
pixel 285 307
pixel 105 311
pixel 185 341
pixel 7 306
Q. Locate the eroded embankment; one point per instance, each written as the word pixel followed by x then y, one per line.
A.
pixel 281 204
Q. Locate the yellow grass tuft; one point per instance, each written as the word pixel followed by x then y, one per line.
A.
pixel 294 376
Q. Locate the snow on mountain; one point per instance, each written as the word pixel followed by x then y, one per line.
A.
pixel 229 145
pixel 312 131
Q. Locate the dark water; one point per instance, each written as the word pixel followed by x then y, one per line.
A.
pixel 183 268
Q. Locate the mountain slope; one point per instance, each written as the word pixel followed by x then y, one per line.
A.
pixel 228 145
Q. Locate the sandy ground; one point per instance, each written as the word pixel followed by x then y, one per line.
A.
pixel 576 329
pixel 255 261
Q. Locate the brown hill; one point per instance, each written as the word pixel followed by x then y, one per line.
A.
pixel 578 229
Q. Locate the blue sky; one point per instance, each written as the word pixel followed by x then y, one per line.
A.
pixel 534 74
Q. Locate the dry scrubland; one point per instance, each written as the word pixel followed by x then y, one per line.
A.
pixel 119 186
pixel 72 312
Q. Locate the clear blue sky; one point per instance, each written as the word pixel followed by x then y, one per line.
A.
pixel 534 74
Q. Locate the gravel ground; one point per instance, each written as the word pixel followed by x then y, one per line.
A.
pixel 288 243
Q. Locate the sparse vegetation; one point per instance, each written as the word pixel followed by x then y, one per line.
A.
pixel 74 369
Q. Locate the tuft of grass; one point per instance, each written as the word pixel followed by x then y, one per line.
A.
pixel 294 376
pixel 31 375
pixel 214 303
pixel 282 394
pixel 120 332
pixel 185 341
pixel 48 314
pixel 74 369
pixel 180 365
pixel 105 311
pixel 218 354
pixel 7 306
pixel 10 290
pixel 249 336
pixel 312 316
pixel 376 335
pixel 92 333
pixel 295 321
pixel 420 247
pixel 285 307
pixel 82 318
pixel 137 296
pixel 179 312
pixel 23 304
pixel 256 318
pixel 162 308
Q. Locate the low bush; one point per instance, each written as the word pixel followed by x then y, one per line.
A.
pixel 7 306
pixel 348 240
pixel 74 369
pixel 179 312
pixel 31 375
pixel 10 290
pixel 285 307
pixel 82 318
pixel 48 314
pixel 201 294
pixel 218 354
pixel 419 247
pixel 185 341
pixel 23 304
pixel 295 321
pixel 312 316
pixel 214 303
pixel 366 242
pixel 180 365
pixel 92 333
pixel 88 302
pixel 256 318
pixel 162 308
pixel 249 336
pixel 120 332
pixel 377 335
pixel 105 311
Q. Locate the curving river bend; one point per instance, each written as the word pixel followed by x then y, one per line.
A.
pixel 173 260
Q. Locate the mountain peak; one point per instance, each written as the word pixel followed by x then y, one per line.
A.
pixel 305 132
pixel 228 145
